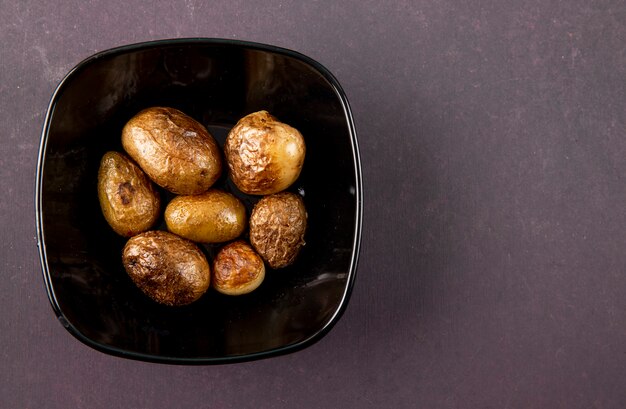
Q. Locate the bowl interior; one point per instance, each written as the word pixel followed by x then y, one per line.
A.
pixel 216 83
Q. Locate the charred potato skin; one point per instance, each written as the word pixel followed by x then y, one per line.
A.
pixel 264 155
pixel 212 217
pixel 167 268
pixel 129 201
pixel 277 226
pixel 237 269
pixel 174 150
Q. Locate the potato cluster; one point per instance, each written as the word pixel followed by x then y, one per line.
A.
pixel 165 147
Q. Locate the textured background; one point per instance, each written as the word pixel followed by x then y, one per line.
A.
pixel 493 270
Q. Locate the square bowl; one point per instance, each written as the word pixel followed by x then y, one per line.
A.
pixel 216 82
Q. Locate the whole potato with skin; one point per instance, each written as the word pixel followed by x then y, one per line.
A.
pixel 174 150
pixel 237 269
pixel 167 268
pixel 264 155
pixel 128 199
pixel 211 217
pixel 277 226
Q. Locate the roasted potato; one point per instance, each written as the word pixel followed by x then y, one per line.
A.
pixel 212 217
pixel 277 226
pixel 174 150
pixel 167 268
pixel 237 269
pixel 129 201
pixel 264 155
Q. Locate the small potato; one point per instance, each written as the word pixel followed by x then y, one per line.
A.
pixel 128 199
pixel 237 269
pixel 169 269
pixel 174 150
pixel 264 155
pixel 277 227
pixel 212 217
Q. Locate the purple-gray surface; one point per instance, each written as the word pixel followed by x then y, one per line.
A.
pixel 493 270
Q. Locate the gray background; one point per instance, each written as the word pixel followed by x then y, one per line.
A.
pixel 493 270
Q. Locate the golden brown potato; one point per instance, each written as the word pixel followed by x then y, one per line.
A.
pixel 212 217
pixel 277 227
pixel 174 150
pixel 128 199
pixel 264 155
pixel 237 269
pixel 167 268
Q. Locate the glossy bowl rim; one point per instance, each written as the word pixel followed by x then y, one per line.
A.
pixel 356 243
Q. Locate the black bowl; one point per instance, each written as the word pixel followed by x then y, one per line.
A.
pixel 216 82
